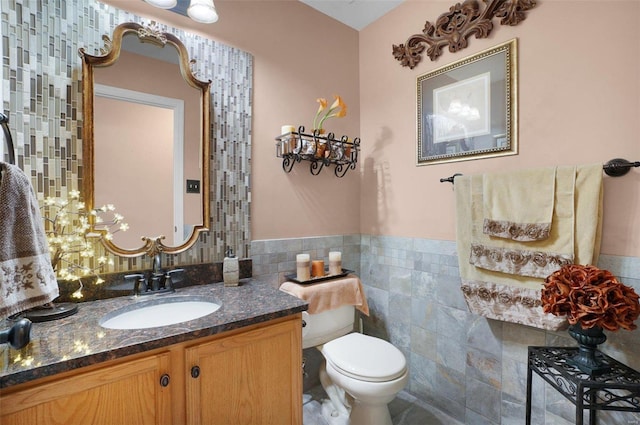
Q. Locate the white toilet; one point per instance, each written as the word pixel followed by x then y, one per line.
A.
pixel 370 370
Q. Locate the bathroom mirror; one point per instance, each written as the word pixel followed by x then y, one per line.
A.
pixel 146 140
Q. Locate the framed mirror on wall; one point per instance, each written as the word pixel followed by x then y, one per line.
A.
pixel 146 134
pixel 54 121
pixel 468 109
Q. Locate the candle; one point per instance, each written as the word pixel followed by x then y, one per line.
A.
pixel 335 262
pixel 287 129
pixel 302 267
pixel 347 149
pixel 289 142
pixel 317 268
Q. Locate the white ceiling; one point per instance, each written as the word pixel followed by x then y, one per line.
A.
pixel 354 13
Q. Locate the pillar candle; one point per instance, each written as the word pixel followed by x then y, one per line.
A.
pixel 287 129
pixel 302 267
pixel 335 262
pixel 317 268
pixel 289 142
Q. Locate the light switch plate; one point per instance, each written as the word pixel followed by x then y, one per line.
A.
pixel 193 186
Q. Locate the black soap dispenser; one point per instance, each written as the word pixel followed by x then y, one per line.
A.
pixel 230 269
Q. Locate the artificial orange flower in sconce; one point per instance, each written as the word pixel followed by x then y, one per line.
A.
pixel 338 110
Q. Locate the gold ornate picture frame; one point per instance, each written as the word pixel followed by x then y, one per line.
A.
pixel 468 109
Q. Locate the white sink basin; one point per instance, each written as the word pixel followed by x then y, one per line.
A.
pixel 159 312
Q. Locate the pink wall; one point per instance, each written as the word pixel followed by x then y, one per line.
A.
pixel 299 55
pixel 579 103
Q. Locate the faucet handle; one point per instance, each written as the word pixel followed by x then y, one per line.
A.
pixel 140 283
pixel 169 277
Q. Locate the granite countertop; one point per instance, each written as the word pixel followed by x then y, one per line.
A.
pixel 79 340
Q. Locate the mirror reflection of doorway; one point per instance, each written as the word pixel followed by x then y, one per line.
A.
pixel 144 135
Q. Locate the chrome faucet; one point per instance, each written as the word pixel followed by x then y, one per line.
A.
pixel 155 282
pixel 157 264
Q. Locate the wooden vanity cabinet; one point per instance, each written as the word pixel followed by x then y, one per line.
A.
pixel 124 393
pixel 251 376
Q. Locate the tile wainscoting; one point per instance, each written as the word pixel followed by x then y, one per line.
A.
pixel 471 368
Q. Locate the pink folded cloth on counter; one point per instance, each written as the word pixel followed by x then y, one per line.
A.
pixel 329 294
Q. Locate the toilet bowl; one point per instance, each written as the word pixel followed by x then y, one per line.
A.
pixel 370 370
pixel 361 374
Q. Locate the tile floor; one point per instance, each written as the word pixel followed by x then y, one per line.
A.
pixel 404 410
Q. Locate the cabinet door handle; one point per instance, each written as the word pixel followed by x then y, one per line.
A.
pixel 164 380
pixel 195 371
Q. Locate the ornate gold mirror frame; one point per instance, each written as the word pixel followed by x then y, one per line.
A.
pixel 152 245
pixel 453 28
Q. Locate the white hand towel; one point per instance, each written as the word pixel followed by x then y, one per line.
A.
pixel 26 277
pixel 536 258
pixel 519 204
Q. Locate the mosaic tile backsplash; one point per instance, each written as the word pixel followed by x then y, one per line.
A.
pixel 42 96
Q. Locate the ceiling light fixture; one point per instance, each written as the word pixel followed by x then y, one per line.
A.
pixel 163 4
pixel 202 11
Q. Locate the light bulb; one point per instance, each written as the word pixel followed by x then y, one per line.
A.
pixel 202 11
pixel 163 4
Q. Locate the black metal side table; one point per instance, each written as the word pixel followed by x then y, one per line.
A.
pixel 618 389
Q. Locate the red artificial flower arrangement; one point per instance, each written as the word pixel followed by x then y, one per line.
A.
pixel 590 296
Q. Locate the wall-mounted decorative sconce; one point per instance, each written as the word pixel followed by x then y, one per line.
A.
pixel 202 11
pixel 318 149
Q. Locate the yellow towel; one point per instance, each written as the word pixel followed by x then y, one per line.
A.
pixel 588 213
pixel 330 294
pixel 519 204
pixel 537 258
pixel 513 298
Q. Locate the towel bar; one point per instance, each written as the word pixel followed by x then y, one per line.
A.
pixel 615 168
pixel 619 167
pixel 4 121
pixel 450 179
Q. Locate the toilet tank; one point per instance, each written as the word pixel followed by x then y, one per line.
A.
pixel 323 327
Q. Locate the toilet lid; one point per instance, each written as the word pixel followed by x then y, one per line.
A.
pixel 365 357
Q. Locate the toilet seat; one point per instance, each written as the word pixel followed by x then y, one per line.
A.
pixel 365 358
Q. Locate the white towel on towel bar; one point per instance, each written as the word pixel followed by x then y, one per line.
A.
pixel 513 298
pixel 536 258
pixel 519 204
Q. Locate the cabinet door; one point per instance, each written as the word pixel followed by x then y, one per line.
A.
pixel 128 393
pixel 250 378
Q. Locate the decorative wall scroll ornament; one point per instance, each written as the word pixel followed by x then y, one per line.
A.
pixel 456 26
